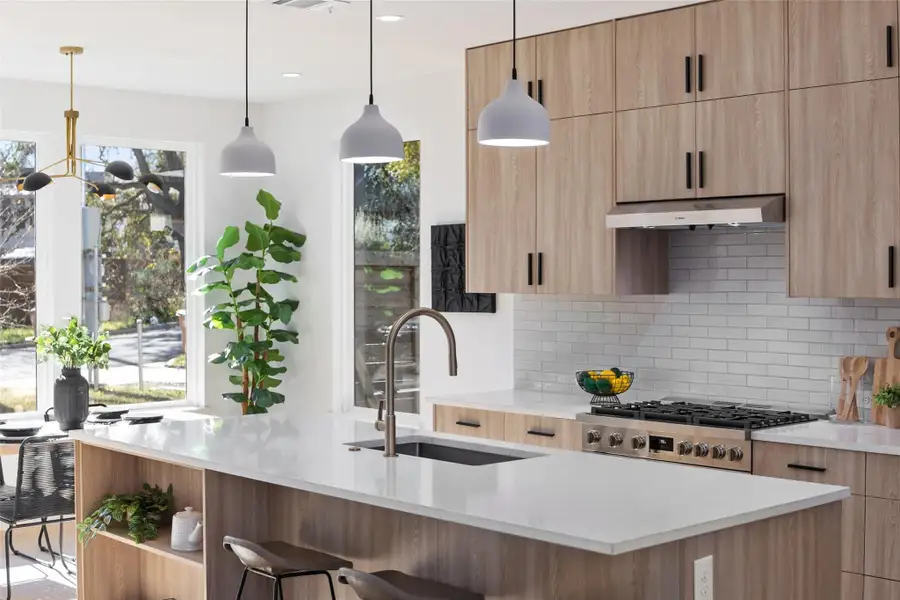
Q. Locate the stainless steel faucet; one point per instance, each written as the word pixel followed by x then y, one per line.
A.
pixel 388 422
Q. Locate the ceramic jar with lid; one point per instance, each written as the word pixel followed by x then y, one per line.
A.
pixel 187 531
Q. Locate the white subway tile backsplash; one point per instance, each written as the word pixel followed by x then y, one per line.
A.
pixel 727 330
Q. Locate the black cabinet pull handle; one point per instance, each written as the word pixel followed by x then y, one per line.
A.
pixel 471 424
pixel 530 89
pixel 700 74
pixel 892 263
pixel 688 167
pixel 806 467
pixel 700 161
pixel 687 74
pixel 890 46
pixel 540 268
pixel 540 433
pixel 540 97
pixel 530 268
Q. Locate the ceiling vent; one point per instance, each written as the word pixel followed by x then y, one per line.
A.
pixel 316 5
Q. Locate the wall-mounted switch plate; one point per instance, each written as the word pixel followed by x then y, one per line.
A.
pixel 703 578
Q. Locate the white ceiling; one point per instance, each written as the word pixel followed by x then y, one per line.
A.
pixel 195 47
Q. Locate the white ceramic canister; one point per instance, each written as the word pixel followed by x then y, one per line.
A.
pixel 187 530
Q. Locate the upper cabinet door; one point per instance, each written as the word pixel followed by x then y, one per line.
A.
pixel 652 56
pixel 741 146
pixel 500 218
pixel 489 68
pixel 575 191
pixel 841 41
pixel 575 71
pixel 740 48
pixel 844 199
pixel 655 153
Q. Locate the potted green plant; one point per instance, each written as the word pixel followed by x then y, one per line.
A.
pixel 74 347
pixel 259 320
pixel 143 513
pixel 889 398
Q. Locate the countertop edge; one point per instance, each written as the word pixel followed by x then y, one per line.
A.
pixel 610 549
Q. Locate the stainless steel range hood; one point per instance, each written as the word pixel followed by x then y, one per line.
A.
pixel 745 210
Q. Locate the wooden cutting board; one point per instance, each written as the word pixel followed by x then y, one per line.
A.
pixel 887 371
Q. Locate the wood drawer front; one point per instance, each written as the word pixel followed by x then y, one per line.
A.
pixel 883 538
pixel 473 422
pixel 808 463
pixel 549 432
pixel 853 534
pixel 876 589
pixel 852 586
pixel 883 476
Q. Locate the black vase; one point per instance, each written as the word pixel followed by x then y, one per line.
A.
pixel 70 399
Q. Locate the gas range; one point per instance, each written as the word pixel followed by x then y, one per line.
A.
pixel 683 431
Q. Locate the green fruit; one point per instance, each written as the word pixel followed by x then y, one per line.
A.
pixel 604 386
pixel 616 371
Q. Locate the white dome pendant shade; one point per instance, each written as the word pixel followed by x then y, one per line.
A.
pixel 371 139
pixel 247 156
pixel 514 119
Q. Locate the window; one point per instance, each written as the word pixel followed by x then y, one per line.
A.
pixel 18 363
pixel 386 277
pixel 135 247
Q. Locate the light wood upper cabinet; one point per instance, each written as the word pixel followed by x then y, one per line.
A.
pixel 650 59
pixel 654 153
pixel 575 191
pixel 575 71
pixel 841 41
pixel 739 48
pixel 500 217
pixel 741 146
pixel 488 69
pixel 844 189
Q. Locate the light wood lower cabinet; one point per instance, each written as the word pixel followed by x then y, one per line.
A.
pixel 883 538
pixel 474 422
pixel 880 589
pixel 883 476
pixel 809 463
pixel 549 432
pixel 851 586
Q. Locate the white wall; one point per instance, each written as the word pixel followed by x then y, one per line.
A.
pixel 203 127
pixel 305 135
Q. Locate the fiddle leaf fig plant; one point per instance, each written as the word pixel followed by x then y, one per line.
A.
pixel 259 320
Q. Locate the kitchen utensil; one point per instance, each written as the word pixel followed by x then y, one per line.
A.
pixel 844 365
pixel 187 531
pixel 887 372
pixel 604 385
pixel 858 365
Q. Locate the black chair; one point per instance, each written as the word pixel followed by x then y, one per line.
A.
pixel 44 494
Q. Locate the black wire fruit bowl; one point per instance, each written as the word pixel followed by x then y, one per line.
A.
pixel 605 385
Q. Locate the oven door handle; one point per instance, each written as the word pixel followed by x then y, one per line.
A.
pixel 806 467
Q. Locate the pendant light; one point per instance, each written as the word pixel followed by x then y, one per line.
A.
pixel 371 139
pixel 514 119
pixel 247 156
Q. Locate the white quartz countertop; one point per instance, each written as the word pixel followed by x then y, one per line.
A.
pixel 842 436
pixel 563 406
pixel 600 503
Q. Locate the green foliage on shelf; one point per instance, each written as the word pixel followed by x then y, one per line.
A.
pixel 258 320
pixel 142 513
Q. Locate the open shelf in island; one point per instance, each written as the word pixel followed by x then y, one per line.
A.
pixel 159 546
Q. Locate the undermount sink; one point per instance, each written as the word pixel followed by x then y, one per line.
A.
pixel 460 453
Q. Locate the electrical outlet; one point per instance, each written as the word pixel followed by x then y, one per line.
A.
pixel 703 578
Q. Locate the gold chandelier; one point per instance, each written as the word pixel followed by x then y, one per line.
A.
pixel 41 179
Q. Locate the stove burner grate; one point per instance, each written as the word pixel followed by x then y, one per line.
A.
pixel 719 414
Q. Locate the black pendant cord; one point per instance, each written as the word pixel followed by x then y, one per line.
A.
pixel 514 75
pixel 247 63
pixel 371 51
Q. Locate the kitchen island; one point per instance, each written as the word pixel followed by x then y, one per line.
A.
pixel 559 524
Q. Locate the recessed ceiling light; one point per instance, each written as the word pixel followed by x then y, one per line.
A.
pixel 290 75
pixel 390 18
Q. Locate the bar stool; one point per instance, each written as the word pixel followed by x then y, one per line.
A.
pixel 394 585
pixel 280 560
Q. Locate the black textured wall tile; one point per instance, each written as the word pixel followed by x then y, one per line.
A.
pixel 448 273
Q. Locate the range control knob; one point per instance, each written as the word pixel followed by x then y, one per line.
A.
pixel 718 452
pixel 701 450
pixel 735 454
pixel 638 442
pixel 684 448
pixel 593 436
pixel 615 439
